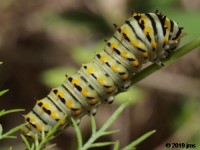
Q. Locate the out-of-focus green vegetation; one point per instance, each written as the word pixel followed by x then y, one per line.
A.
pixel 8 134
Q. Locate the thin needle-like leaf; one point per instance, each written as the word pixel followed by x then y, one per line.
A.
pixel 3 92
pixel 78 133
pixel 4 112
pixel 10 148
pixel 1 129
pixel 110 132
pixel 100 144
pixel 24 139
pixel 93 124
pixel 113 117
pixel 50 146
pixel 10 132
pixel 132 145
pixel 116 145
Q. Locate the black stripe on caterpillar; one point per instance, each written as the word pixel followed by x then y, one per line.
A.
pixel 150 37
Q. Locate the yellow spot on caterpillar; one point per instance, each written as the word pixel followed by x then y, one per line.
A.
pixel 166 39
pixel 68 103
pixel 60 93
pixel 146 30
pixel 134 43
pixel 110 89
pixel 75 82
pixel 115 68
pixel 90 69
pixel 114 45
pixel 77 112
pixel 32 120
pixel 93 101
pixel 103 58
pixel 54 115
pixel 53 89
pixel 124 54
pixel 62 122
pixel 46 106
pixel 154 45
pixel 124 76
pixel 135 14
pixel 84 92
pixel 167 23
pixel 135 63
pixel 145 54
pixel 39 128
pixel 101 80
pixel 125 30
pixel 26 116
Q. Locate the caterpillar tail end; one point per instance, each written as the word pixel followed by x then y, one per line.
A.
pixel 27 132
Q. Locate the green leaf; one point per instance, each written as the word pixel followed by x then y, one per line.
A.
pixel 4 112
pixel 24 139
pixel 100 144
pixel 78 133
pixel 10 137
pixel 1 62
pixel 12 131
pixel 50 146
pixel 3 92
pixel 110 132
pixel 116 145
pixel 93 124
pixel 132 145
pixel 45 138
pixel 1 129
pixel 37 146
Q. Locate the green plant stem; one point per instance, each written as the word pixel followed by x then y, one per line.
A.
pixel 5 112
pixel 78 133
pixel 176 55
pixel 12 131
pixel 49 136
pixel 102 131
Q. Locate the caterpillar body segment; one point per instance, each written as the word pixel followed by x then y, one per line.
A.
pixel 150 37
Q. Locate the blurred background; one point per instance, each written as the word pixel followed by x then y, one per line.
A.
pixel 41 41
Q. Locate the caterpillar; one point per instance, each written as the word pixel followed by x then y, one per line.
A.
pixel 144 37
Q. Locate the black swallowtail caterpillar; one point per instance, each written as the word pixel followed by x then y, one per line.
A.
pixel 150 37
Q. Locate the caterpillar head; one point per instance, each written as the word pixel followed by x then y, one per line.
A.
pixel 174 39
